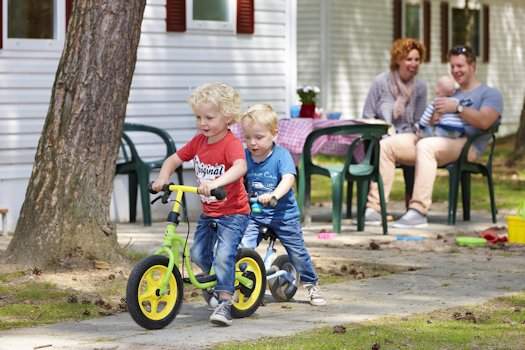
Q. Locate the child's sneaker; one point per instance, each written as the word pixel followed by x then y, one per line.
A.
pixel 222 315
pixel 211 298
pixel 314 293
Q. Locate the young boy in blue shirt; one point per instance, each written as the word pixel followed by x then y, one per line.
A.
pixel 271 173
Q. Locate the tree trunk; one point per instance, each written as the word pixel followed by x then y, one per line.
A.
pixel 519 146
pixel 65 214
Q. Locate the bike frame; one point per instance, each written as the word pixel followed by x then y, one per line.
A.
pixel 173 243
pixel 269 257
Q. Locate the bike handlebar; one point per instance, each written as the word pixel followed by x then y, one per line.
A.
pixel 219 193
pixel 271 204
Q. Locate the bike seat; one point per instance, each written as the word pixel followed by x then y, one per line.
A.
pixel 267 233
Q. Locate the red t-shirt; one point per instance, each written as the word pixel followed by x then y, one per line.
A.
pixel 210 162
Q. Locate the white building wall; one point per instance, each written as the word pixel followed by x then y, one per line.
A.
pixel 361 33
pixel 169 66
pixel 309 42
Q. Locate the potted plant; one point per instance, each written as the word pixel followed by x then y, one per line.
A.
pixel 516 225
pixel 308 97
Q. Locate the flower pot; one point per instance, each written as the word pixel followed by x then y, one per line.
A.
pixel 516 226
pixel 307 110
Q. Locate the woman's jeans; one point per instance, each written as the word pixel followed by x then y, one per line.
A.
pixel 290 234
pixel 215 243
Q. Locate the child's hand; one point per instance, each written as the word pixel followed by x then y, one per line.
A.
pixel 158 184
pixel 445 105
pixel 436 117
pixel 206 187
pixel 265 199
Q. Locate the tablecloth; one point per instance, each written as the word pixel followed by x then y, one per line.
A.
pixel 293 133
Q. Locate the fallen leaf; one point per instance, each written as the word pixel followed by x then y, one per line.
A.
pixel 72 299
pixel 102 265
pixel 374 246
pixel 339 329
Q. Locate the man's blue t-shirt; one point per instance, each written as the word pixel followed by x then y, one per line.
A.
pixel 264 177
pixel 482 96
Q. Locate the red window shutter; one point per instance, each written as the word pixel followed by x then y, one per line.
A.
pixel 444 32
pixel 426 28
pixel 69 8
pixel 176 15
pixel 397 10
pixel 245 17
pixel 486 34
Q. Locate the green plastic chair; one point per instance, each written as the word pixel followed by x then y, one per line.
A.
pixel 460 172
pixel 361 171
pixel 138 169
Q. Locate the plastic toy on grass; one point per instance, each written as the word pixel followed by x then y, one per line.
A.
pixel 467 241
pixel 409 238
pixel 516 226
pixel 326 235
pixel 495 234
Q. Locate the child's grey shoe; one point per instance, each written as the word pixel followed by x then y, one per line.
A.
pixel 372 217
pixel 314 294
pixel 211 298
pixel 222 315
pixel 411 219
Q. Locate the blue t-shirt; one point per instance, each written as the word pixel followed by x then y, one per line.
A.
pixel 482 96
pixel 264 177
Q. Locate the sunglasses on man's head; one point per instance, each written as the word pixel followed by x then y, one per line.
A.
pixel 458 50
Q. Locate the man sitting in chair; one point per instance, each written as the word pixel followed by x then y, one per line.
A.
pixel 484 109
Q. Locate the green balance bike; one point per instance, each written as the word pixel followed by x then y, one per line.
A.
pixel 154 291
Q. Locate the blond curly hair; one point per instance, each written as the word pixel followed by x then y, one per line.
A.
pixel 263 114
pixel 224 97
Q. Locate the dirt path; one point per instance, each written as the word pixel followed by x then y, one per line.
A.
pixel 437 280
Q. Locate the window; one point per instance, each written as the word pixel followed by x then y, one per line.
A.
pixel 33 24
pixel 466 28
pixel 412 20
pixel 460 26
pixel 211 14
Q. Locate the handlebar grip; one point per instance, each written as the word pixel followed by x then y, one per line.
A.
pixel 219 193
pixel 272 203
pixel 150 188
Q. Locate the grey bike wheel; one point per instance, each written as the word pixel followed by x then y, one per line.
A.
pixel 281 289
pixel 146 306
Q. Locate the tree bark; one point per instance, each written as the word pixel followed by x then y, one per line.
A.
pixel 65 214
pixel 519 145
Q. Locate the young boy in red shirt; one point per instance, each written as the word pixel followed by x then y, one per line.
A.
pixel 218 158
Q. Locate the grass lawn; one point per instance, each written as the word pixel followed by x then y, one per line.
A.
pixel 509 182
pixel 499 324
pixel 27 301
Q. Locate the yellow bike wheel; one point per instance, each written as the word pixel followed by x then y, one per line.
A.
pixel 247 300
pixel 146 305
